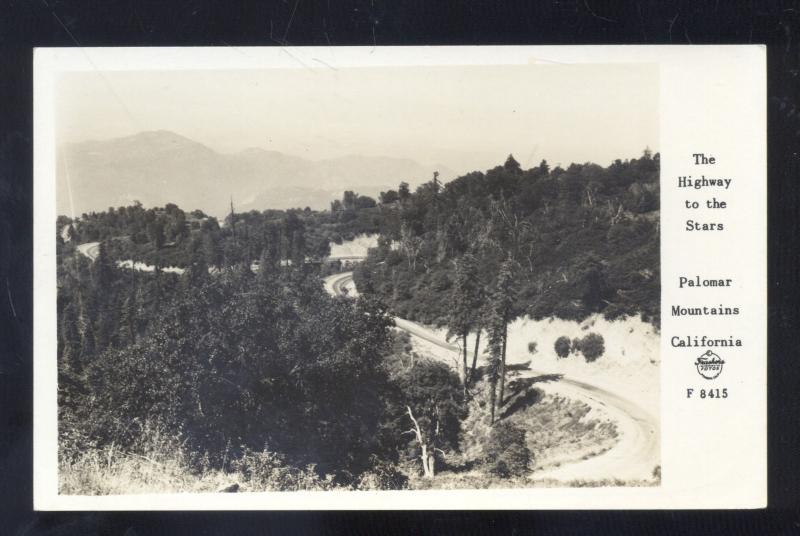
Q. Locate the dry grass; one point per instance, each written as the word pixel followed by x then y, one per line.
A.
pixel 558 430
pixel 158 465
pixel 102 472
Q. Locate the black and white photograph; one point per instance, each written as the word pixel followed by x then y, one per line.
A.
pixel 358 279
pixel 306 267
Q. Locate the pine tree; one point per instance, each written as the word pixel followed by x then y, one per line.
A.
pixel 197 271
pixel 502 302
pixel 544 168
pixel 70 339
pixel 464 306
pixel 478 330
pixel 87 346
pixel 272 239
pixel 211 249
pixel 233 220
pixel 127 320
pixel 71 234
pixel 493 368
pixel 102 271
pixel 512 165
pixel 265 266
pixel 403 192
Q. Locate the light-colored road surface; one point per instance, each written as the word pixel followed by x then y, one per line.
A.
pixel 342 285
pixel 90 249
pixel 635 455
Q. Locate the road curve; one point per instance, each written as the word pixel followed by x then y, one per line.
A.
pixel 92 249
pixel 633 457
pixel 89 249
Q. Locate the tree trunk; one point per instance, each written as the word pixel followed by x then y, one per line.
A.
pixel 426 458
pixel 492 400
pixel 464 358
pixel 427 469
pixel 475 355
pixel 503 366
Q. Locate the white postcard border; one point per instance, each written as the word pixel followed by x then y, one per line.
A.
pixel 713 100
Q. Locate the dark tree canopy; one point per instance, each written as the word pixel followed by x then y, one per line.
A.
pixel 231 361
pixel 585 238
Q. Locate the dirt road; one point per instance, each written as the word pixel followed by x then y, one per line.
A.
pixel 635 455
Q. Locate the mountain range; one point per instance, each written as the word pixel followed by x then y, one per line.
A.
pixel 160 167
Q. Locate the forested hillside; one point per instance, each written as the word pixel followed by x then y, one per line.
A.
pixel 223 364
pixel 573 242
pixel 169 236
pixel 243 365
pixel 231 367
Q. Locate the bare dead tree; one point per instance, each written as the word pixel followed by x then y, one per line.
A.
pixel 427 454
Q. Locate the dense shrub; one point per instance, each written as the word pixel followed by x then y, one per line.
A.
pixel 592 346
pixel 506 451
pixel 532 347
pixel 562 346
pixel 268 471
pixel 382 475
pixel 272 360
pixel 432 392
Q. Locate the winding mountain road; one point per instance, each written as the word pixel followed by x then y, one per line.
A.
pixel 633 457
pixel 92 250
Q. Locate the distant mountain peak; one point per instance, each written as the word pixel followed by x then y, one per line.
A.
pixel 161 166
pixel 167 136
pixel 162 138
pixel 159 133
pixel 152 140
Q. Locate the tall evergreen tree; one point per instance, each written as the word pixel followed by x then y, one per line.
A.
pixel 87 345
pixel 102 271
pixel 512 165
pixel 493 368
pixel 126 332
pixel 197 271
pixel 70 338
pixel 266 266
pixel 502 303
pixel 403 192
pixel 464 305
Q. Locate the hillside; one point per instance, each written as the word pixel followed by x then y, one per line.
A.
pixel 575 242
pixel 160 167
pixel 241 366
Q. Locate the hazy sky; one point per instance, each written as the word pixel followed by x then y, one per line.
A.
pixel 463 117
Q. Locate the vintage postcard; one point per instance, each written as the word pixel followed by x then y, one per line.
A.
pixel 400 278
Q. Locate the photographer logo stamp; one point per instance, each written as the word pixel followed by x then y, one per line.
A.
pixel 709 365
